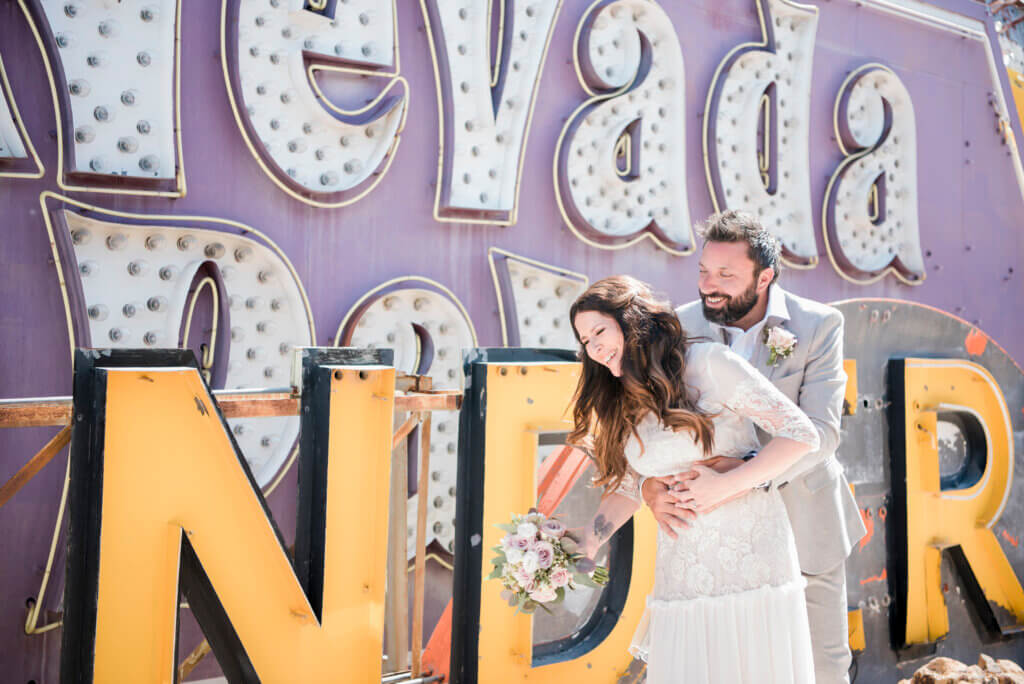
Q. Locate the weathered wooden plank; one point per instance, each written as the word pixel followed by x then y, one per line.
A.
pixel 238 404
pixel 34 465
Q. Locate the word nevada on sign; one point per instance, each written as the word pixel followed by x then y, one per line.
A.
pixel 620 161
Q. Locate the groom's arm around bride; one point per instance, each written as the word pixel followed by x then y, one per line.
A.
pixel 797 344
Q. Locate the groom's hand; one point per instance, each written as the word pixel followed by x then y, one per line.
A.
pixel 721 464
pixel 664 504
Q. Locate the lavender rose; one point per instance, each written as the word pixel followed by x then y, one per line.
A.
pixel 545 554
pixel 552 528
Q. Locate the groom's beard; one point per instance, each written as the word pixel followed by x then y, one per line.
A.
pixel 734 309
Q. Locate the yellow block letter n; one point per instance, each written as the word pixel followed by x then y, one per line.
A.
pixel 161 498
pixel 512 396
pixel 956 512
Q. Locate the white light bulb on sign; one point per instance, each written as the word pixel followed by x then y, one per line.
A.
pixel 485 121
pixel 870 211
pixel 316 151
pixel 132 289
pixel 620 169
pixel 118 127
pixel 534 300
pixel 427 327
pixel 757 128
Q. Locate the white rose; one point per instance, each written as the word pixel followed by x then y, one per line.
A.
pixel 513 555
pixel 527 530
pixel 531 561
pixel 544 594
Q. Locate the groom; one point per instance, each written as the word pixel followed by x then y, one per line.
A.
pixel 740 304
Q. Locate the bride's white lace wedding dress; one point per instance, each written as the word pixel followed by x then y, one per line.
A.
pixel 728 601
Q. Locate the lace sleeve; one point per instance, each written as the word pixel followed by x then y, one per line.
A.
pixel 630 485
pixel 740 388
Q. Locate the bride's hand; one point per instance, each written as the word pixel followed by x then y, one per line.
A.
pixel 707 490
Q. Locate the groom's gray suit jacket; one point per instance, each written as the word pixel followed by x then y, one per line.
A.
pixel 824 515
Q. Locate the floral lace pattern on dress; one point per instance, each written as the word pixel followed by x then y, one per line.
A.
pixel 745 544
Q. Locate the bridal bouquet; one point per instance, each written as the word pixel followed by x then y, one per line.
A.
pixel 538 561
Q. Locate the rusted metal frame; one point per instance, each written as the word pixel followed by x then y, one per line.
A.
pixel 34 465
pixel 404 429
pixel 998 6
pixel 396 619
pixel 233 404
pixel 1012 22
pixel 419 591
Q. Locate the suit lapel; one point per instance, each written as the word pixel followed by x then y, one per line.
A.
pixel 759 359
pixel 761 351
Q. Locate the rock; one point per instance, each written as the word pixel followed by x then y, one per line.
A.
pixel 1003 671
pixel 941 670
pixel 1010 667
pixel 949 671
pixel 988 663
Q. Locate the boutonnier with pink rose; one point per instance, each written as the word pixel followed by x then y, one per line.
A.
pixel 780 343
pixel 538 561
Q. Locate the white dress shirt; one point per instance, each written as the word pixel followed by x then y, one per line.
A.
pixel 744 342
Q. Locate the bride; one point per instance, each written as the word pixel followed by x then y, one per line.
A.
pixel 728 599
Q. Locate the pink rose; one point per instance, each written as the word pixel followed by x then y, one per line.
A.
pixel 560 577
pixel 522 543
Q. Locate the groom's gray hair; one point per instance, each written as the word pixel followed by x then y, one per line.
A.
pixel 739 226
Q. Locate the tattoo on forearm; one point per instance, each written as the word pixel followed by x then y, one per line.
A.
pixel 602 528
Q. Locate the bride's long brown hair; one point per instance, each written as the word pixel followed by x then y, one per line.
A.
pixel 608 408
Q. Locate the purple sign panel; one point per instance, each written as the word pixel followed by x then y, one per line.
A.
pixel 248 176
